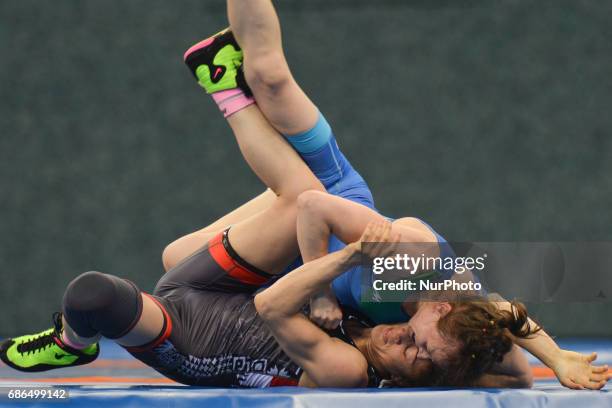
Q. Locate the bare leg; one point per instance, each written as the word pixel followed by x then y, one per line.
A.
pixel 148 327
pixel 180 249
pixel 268 240
pixel 97 304
pixel 319 216
pixel 76 340
pixel 272 159
pixel 264 236
pixel 146 330
pixel 257 30
pixel 255 206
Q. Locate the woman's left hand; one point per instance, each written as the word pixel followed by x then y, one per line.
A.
pixel 575 371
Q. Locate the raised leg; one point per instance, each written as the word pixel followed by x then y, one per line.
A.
pixel 268 240
pixel 180 249
pixel 270 157
pixel 319 216
pixel 257 30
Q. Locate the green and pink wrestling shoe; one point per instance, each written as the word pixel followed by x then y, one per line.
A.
pixel 217 63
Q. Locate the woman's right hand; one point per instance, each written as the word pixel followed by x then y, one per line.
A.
pixel 379 241
pixel 324 310
pixel 576 371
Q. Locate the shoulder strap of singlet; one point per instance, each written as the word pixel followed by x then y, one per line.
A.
pixel 349 314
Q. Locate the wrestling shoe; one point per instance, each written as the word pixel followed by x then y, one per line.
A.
pixel 217 63
pixel 45 351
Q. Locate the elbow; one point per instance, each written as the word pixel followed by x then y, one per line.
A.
pixel 354 374
pixel 265 307
pixel 359 381
pixel 524 375
pixel 521 380
pixel 525 380
pixel 344 380
pixel 309 202
pixel 356 379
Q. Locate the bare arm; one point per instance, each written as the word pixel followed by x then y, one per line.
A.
pixel 257 29
pixel 289 294
pixel 513 372
pixel 573 370
pixel 320 215
pixel 181 248
pixel 326 361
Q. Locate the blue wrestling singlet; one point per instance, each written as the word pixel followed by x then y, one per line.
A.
pixel 319 149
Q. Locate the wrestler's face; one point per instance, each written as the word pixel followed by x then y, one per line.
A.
pixel 396 353
pixel 426 335
pixel 410 350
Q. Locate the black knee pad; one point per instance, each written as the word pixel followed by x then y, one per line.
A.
pixel 98 303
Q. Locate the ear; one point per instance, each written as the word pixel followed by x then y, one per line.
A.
pixel 442 308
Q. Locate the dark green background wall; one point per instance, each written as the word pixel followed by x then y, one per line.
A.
pixel 489 119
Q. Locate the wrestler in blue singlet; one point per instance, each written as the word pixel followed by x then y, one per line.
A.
pixel 320 151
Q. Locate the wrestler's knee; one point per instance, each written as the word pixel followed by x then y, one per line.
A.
pixel 89 291
pixel 170 255
pixel 268 72
pixel 179 250
pixel 96 303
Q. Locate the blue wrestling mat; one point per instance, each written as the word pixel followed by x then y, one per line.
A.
pixel 117 380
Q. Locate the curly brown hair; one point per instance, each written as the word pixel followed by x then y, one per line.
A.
pixel 484 334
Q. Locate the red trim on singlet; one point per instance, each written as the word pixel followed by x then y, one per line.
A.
pixel 283 382
pixel 162 337
pixel 229 264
